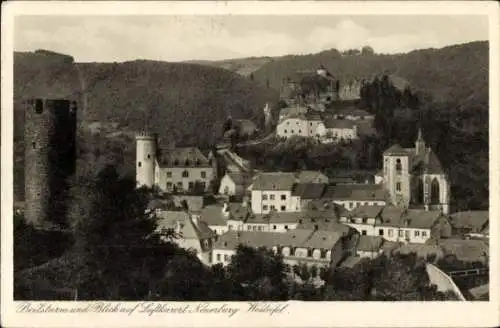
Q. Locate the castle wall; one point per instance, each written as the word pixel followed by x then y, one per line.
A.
pixel 50 158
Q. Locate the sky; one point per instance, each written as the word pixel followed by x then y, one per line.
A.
pixel 183 38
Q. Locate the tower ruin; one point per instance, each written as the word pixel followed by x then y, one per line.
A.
pixel 50 158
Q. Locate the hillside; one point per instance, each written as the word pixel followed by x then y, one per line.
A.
pixel 458 72
pixel 242 66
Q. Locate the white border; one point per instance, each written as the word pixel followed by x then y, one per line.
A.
pixel 308 314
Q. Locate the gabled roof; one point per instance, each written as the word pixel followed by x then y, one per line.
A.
pixel 182 157
pixel 370 243
pixel 212 215
pixel 275 217
pixel 469 219
pixel 188 229
pixel 293 238
pixel 240 178
pixel 311 177
pixel 355 192
pixel 433 165
pixel 410 218
pixel 365 211
pixel 466 250
pixel 293 110
pixel 283 181
pixel 308 190
pixel 339 124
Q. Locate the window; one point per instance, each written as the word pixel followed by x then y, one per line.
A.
pixel 311 124
pixel 283 208
pixel 203 185
pixel 300 131
pixel 265 208
pixel 179 184
pixel 398 186
pixel 226 257
pixel 380 232
pixel 185 174
pixel 424 233
pixel 249 228
pixel 417 233
pixel 260 228
pixel 254 228
pixel 218 257
pixel 272 207
pixel 283 197
pixel 400 233
pixel 271 197
pixel 33 144
pixel 191 185
pixel 285 131
pixel 292 131
pixel 399 167
pixel 350 205
pixel 364 220
pixel 203 174
pixel 363 232
pixel 286 227
pixel 169 174
pixel 389 232
pixel 139 164
pixel 264 196
pixel 169 185
pixel 274 227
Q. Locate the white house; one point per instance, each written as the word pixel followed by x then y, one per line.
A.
pixel 333 130
pixel 370 246
pixel 273 191
pixel 351 196
pixel 235 183
pixel 301 125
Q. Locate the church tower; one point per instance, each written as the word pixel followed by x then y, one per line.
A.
pixel 419 144
pixel 397 175
pixel 146 149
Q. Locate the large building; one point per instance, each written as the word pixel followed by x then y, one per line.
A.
pixel 50 158
pixel 172 169
pixel 414 177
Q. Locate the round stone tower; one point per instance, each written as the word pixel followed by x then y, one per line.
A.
pixel 50 158
pixel 146 149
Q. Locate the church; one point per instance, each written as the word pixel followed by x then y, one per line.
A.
pixel 414 177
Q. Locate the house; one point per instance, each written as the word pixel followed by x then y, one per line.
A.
pixel 301 125
pixel 310 247
pixel 177 170
pixel 352 195
pixel 215 218
pixel 334 130
pixel 235 183
pixel 303 193
pixel 362 218
pixel 273 191
pixel 190 232
pixel 412 225
pixel 467 250
pixel 353 114
pixel 469 223
pixel 273 221
pixel 370 246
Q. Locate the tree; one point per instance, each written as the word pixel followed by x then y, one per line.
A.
pixel 118 253
pixel 367 50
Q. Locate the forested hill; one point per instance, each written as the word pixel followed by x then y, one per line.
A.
pixel 183 102
pixel 458 72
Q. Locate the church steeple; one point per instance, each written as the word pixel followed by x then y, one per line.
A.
pixel 420 143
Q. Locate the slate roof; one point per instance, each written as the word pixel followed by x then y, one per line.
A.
pixel 294 238
pixel 365 211
pixel 465 250
pixel 469 219
pixel 195 203
pixel 293 110
pixel 411 218
pixel 339 124
pixel 275 217
pixel 240 178
pixel 355 192
pixel 274 181
pixel 189 230
pixel 212 215
pixel 308 190
pixel 182 157
pixel 311 177
pixel 370 243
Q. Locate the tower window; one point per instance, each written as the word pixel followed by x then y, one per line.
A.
pixel 149 156
pixel 399 167
pixel 139 164
pixel 398 186
pixel 33 144
pixel 38 106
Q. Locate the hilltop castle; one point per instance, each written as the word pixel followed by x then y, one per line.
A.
pixel 172 169
pixel 50 157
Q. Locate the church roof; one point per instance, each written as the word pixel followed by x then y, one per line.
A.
pixel 396 150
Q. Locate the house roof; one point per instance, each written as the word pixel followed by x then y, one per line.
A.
pixel 308 190
pixel 421 250
pixel 276 217
pixel 194 202
pixel 182 157
pixel 411 218
pixel 274 181
pixel 240 178
pixel 212 215
pixel 339 124
pixel 294 238
pixel 465 249
pixel 365 211
pixel 370 243
pixel 293 110
pixel 189 230
pixel 355 192
pixel 307 176
pixel 365 127
pixel 469 219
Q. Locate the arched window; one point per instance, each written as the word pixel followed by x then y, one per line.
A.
pixel 399 167
pixel 434 191
pixel 420 191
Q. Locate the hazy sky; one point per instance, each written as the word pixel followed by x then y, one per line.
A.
pixel 179 38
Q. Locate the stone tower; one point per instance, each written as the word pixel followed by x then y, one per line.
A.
pixel 145 161
pixel 397 175
pixel 50 158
